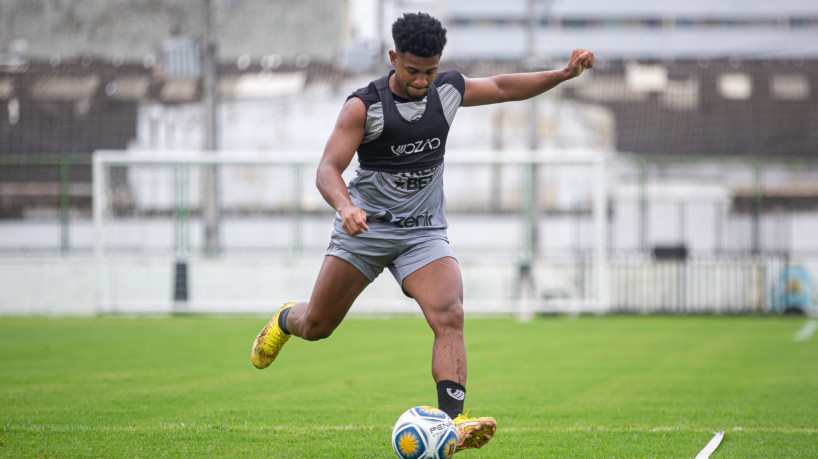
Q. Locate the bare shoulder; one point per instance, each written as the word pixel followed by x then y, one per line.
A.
pixel 353 113
pixel 354 106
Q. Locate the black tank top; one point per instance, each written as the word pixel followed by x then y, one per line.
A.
pixel 405 146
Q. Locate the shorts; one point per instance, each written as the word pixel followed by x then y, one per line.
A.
pixel 402 256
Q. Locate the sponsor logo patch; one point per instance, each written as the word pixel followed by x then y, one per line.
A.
pixel 415 147
pixel 424 219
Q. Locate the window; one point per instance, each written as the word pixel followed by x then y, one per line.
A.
pixel 735 86
pixel 789 87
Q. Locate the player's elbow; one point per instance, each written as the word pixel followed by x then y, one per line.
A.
pixel 319 180
pixel 322 176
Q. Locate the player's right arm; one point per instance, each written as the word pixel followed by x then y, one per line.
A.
pixel 341 146
pixel 521 86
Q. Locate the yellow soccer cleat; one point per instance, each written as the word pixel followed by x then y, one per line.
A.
pixel 473 433
pixel 269 342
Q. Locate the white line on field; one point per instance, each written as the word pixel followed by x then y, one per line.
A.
pixel 711 446
pixel 806 332
pixel 370 427
pixel 614 429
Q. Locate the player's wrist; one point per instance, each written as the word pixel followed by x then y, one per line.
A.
pixel 566 73
pixel 345 208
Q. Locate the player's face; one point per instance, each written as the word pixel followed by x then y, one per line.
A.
pixel 413 74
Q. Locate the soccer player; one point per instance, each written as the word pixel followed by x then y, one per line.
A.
pixel 391 214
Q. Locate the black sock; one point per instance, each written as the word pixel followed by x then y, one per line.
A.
pixel 282 320
pixel 451 397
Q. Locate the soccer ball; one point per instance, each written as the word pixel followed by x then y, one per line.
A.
pixel 424 432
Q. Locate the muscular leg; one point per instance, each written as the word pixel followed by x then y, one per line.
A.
pixel 438 289
pixel 336 288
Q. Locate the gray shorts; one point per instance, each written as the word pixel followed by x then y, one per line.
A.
pixel 402 256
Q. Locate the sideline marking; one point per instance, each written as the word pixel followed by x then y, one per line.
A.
pixel 711 446
pixel 370 427
pixel 806 332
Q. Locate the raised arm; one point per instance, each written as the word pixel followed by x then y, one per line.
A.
pixel 338 153
pixel 521 86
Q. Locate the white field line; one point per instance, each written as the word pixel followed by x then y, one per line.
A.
pixel 339 428
pixel 785 430
pixel 711 446
pixel 806 332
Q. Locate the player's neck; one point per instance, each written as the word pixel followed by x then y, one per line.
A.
pixel 395 87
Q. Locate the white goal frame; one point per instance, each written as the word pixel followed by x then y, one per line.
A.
pixel 525 304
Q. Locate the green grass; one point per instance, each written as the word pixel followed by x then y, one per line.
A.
pixel 617 386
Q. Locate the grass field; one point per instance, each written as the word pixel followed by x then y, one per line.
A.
pixel 619 386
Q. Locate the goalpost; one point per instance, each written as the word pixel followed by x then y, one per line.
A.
pixel 147 210
pixel 153 185
pixel 595 161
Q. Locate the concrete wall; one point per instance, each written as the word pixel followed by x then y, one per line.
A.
pixel 54 286
pixel 130 29
pixel 76 286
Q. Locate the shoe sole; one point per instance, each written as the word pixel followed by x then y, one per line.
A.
pixel 479 435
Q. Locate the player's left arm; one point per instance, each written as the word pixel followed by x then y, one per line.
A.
pixel 521 86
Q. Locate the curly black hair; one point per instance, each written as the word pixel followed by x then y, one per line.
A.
pixel 419 34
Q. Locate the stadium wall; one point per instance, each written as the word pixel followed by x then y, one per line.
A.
pixel 130 30
pixel 54 286
pixel 80 286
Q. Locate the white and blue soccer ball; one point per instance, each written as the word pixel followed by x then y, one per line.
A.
pixel 424 432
